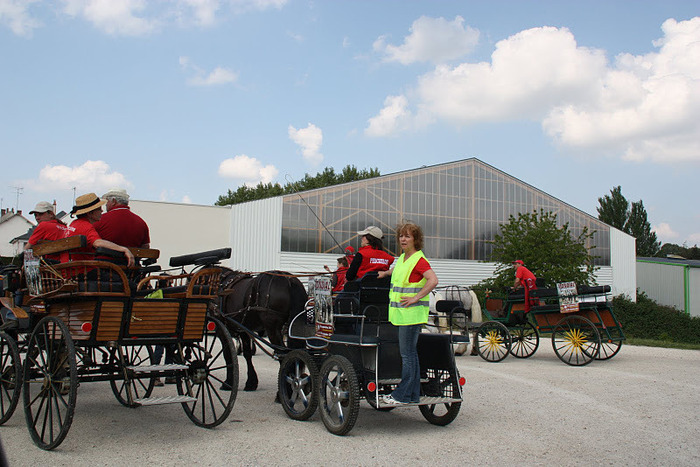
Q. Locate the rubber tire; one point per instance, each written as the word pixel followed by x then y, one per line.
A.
pixel 496 341
pixel 339 395
pixel 208 369
pixel 10 377
pixel 297 380
pixel 576 340
pixel 141 386
pixel 451 412
pixel 44 373
pixel 521 337
pixel 444 413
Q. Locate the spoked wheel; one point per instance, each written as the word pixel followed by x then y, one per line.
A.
pixel 50 383
pixel 441 384
pixel 339 395
pixel 493 341
pixel 125 381
pixel 212 376
pixel 608 349
pixel 10 377
pixel 576 341
pixel 524 340
pixel 297 381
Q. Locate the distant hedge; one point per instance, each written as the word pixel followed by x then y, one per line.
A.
pixel 646 319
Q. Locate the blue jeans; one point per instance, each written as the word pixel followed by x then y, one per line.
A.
pixel 408 389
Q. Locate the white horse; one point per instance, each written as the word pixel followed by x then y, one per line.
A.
pixel 469 302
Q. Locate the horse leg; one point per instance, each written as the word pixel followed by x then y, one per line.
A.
pixel 247 343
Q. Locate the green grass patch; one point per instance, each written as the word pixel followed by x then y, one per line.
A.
pixel 658 343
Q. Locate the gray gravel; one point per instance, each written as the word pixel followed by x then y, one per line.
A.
pixel 641 407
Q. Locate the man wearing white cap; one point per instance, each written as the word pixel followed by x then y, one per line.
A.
pixel 119 224
pixel 371 255
pixel 48 227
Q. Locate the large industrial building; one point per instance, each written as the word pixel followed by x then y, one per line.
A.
pixel 460 206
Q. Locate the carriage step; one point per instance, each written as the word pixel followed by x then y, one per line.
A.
pixel 152 368
pixel 165 400
pixel 396 381
pixel 425 400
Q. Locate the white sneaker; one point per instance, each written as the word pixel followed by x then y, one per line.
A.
pixel 389 400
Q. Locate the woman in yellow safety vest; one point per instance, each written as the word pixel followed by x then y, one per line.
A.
pixel 412 279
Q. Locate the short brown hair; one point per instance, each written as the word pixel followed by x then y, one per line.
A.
pixel 343 261
pixel 415 231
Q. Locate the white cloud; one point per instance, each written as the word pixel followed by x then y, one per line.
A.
pixel 694 239
pixel 116 17
pixel 247 169
pixel 204 11
pixel 394 117
pixel 639 107
pixel 665 232
pixel 186 199
pixel 309 140
pixel 431 40
pixel 92 176
pixel 15 15
pixel 217 76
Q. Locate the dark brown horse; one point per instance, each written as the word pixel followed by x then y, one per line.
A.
pixel 263 303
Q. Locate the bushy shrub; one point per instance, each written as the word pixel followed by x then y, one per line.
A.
pixel 646 319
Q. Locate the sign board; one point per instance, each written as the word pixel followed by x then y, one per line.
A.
pixel 568 302
pixel 323 306
pixel 31 272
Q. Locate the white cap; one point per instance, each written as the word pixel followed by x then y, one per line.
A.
pixel 117 192
pixel 372 230
pixel 42 207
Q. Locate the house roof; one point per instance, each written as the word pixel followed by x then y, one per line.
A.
pixel 693 263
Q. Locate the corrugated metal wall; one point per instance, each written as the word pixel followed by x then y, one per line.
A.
pixel 622 261
pixel 449 272
pixel 255 235
pixel 694 291
pixel 663 283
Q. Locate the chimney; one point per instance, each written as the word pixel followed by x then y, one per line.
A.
pixel 19 212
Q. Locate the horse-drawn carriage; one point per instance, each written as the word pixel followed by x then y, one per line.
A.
pixel 85 321
pixel 580 320
pixel 351 353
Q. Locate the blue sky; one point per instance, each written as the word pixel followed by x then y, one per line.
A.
pixel 182 100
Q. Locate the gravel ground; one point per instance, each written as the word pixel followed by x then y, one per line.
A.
pixel 641 407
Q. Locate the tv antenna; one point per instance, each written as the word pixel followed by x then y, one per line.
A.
pixel 18 191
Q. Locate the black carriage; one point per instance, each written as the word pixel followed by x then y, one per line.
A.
pixel 354 355
pixel 85 321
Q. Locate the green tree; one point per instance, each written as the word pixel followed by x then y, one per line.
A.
pixel 679 250
pixel 551 252
pixel 327 177
pixel 613 209
pixel 638 226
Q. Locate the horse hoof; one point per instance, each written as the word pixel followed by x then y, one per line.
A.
pixel 250 388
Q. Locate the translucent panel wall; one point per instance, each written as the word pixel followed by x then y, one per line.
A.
pixel 459 205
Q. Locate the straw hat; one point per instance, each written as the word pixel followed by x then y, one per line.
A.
pixel 86 203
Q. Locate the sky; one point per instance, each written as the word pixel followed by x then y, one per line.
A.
pixel 183 100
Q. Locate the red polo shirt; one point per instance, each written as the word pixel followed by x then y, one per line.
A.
pixel 48 230
pixel 80 227
pixel 121 226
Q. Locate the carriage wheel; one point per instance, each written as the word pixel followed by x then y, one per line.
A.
pixel 608 349
pixel 441 384
pixel 10 377
pixel 297 381
pixel 524 340
pixel 576 341
pixel 339 395
pixel 493 341
pixel 138 384
pixel 212 376
pixel 50 383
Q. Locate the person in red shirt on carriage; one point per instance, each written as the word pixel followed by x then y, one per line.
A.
pixel 119 224
pixel 371 255
pixel 524 279
pixel 88 210
pixel 338 278
pixel 48 227
pixel 349 254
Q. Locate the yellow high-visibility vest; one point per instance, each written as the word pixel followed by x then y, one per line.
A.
pixel 401 287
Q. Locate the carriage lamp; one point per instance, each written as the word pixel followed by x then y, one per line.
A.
pixel 86 327
pixel 211 326
pixel 371 386
pixel 462 381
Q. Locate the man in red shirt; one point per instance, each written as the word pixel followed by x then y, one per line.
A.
pixel 523 277
pixel 88 210
pixel 338 277
pixel 48 227
pixel 119 224
pixel 371 255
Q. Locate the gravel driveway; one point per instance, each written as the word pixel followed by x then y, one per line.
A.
pixel 641 407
